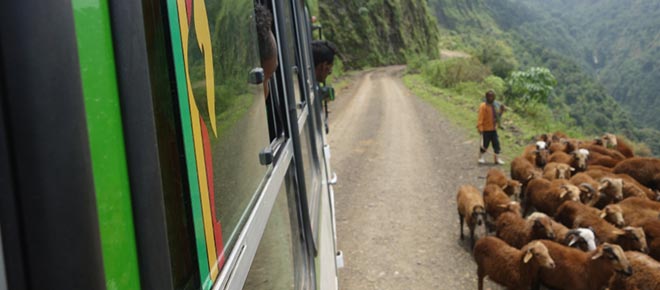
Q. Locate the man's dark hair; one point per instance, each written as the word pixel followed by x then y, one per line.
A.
pixel 323 51
pixel 264 20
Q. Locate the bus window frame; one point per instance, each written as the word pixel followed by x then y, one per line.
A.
pixel 238 262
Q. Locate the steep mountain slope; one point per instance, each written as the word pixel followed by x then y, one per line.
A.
pixel 617 41
pixel 545 38
pixel 377 32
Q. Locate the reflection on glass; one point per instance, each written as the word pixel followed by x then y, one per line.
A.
pixel 273 267
pixel 311 170
pixel 236 125
pixel 290 46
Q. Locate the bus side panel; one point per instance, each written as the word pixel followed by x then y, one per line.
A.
pixel 107 144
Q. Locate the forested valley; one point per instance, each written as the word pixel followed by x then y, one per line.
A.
pixel 587 67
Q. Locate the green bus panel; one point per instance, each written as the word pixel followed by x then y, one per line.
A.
pixel 104 123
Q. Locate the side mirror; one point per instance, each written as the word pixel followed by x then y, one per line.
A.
pixel 256 76
pixel 327 93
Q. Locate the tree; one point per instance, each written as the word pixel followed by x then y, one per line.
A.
pixel 535 84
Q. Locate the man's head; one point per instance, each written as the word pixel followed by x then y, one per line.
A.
pixel 267 44
pixel 490 97
pixel 324 57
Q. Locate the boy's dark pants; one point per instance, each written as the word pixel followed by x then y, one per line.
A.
pixel 488 137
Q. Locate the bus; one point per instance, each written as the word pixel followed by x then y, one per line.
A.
pixel 138 149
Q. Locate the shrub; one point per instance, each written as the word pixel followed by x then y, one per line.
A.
pixel 450 72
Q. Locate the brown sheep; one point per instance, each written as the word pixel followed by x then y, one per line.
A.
pixel 517 232
pixel 587 185
pixel 524 171
pixel 537 153
pixel 602 160
pixel 565 145
pixel 646 274
pixel 471 208
pixel 643 169
pixel 574 214
pixel 546 196
pixel 630 186
pixel 561 231
pixel 611 141
pixel 576 159
pixel 511 187
pixel 497 202
pixel 651 227
pixel 599 167
pixel 600 150
pixel 554 170
pixel 613 214
pixel 611 190
pixel 636 209
pixel 508 266
pixel 577 270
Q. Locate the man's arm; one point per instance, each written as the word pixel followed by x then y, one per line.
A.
pixel 480 119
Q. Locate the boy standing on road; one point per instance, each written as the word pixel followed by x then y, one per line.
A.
pixel 489 115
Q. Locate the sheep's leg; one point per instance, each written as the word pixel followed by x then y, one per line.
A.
pixel 480 278
pixel 460 220
pixel 472 237
pixel 536 285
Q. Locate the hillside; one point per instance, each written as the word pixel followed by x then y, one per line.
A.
pixel 482 27
pixel 376 32
pixel 618 42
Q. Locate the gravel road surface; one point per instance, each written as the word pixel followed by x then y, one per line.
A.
pixel 400 163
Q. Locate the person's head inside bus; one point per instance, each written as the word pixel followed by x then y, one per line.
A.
pixel 324 57
pixel 267 44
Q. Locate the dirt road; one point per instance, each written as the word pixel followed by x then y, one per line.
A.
pixel 399 164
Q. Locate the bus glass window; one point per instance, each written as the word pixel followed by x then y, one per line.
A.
pixel 290 46
pixel 181 238
pixel 312 174
pixel 232 114
pixel 223 119
pixel 279 252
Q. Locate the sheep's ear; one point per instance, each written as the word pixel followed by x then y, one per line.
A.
pixel 618 232
pixel 563 193
pixel 603 214
pixel 573 240
pixel 528 256
pixel 572 169
pixel 503 205
pixel 599 253
pixel 505 186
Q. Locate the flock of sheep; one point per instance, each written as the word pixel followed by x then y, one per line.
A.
pixel 574 215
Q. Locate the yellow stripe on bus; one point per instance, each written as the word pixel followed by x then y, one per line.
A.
pixel 199 149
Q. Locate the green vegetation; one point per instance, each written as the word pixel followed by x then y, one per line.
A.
pixel 376 32
pixel 460 102
pixel 530 38
pixel 535 85
pixel 617 42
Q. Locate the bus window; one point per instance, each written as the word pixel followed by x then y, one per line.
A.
pixel 279 262
pixel 290 46
pixel 180 234
pixel 223 119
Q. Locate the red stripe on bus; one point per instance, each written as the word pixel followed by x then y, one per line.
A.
pixel 208 156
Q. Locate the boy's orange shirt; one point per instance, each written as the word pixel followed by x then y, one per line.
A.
pixel 486 120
